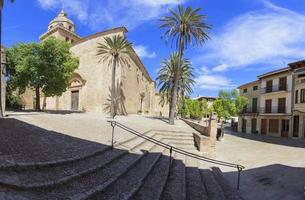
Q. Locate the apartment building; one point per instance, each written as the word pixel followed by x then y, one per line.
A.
pixel 276 103
pixel 248 120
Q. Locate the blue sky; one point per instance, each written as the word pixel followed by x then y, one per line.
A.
pixel 248 38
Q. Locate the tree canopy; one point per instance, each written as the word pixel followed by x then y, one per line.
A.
pixel 229 104
pixel 46 66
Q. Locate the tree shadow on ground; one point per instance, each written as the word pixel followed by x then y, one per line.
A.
pixel 300 142
pixel 34 112
pixel 119 100
pixel 164 119
pixel 271 182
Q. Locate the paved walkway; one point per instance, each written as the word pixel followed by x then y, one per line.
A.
pixel 275 167
pixel 93 126
pixel 31 137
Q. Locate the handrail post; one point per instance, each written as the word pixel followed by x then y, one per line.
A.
pixel 170 160
pixel 113 124
pixel 239 168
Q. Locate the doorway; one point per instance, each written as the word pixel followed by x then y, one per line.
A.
pixel 296 126
pixel 74 100
pixel 264 127
pixel 244 126
pixel 253 126
pixel 285 128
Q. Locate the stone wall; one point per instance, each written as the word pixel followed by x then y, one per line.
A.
pixel 205 140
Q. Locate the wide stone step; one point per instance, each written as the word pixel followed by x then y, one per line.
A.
pixel 155 182
pixel 213 189
pixel 175 186
pixel 195 189
pixel 230 192
pixel 44 176
pixel 87 185
pixel 47 176
pixel 128 184
pixel 16 163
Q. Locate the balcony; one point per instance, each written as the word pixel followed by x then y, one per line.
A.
pixel 273 110
pixel 250 111
pixel 275 88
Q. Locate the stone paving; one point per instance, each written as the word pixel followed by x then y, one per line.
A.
pixel 94 126
pixel 49 156
pixel 275 167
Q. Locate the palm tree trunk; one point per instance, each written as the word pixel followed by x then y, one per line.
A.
pixel 174 94
pixel 37 91
pixel 1 108
pixel 113 88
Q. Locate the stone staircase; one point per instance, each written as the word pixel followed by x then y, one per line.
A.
pixel 135 169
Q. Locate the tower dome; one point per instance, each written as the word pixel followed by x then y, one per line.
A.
pixel 63 21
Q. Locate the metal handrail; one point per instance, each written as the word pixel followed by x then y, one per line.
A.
pixel 177 150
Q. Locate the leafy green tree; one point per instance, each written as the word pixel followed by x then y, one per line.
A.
pixel 185 27
pixel 229 104
pixel 170 71
pixel 46 67
pixel 116 50
pixel 1 7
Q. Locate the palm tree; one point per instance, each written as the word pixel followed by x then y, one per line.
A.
pixel 1 7
pixel 185 27
pixel 170 69
pixel 116 50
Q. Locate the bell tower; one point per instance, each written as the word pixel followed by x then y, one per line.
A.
pixel 61 27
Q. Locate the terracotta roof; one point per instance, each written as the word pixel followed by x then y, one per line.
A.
pixel 205 97
pixel 248 84
pixel 278 71
pixel 297 64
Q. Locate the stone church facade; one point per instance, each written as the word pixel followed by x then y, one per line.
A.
pixel 89 86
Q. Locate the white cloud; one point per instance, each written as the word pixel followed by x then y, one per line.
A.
pixel 272 36
pixel 109 13
pixel 214 82
pixel 208 80
pixel 143 52
pixel 78 8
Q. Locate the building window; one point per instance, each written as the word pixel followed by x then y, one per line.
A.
pixel 302 96
pixel 281 105
pixel 245 90
pixel 255 88
pixel 283 83
pixel 269 86
pixel 67 39
pixel 296 100
pixel 273 126
pixel 70 28
pixel 301 75
pixel 268 105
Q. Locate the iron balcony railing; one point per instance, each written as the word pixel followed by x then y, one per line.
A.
pixel 250 110
pixel 175 149
pixel 273 110
pixel 275 88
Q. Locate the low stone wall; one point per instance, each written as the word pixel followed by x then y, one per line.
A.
pixel 205 145
pixel 198 127
pixel 205 140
